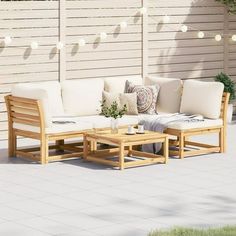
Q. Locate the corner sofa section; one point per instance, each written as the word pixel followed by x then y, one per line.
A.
pixel 36 110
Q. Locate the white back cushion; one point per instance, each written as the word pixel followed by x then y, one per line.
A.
pixel 53 89
pixel 82 97
pixel 202 98
pixel 169 97
pixel 19 90
pixel 117 84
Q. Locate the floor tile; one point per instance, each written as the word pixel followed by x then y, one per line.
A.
pixel 80 220
pixel 12 229
pixel 9 213
pixel 110 213
pixel 119 230
pixel 36 207
pixel 48 226
pixel 64 202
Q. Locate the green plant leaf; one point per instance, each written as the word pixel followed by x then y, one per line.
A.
pixel 231 4
pixel 229 84
pixel 113 111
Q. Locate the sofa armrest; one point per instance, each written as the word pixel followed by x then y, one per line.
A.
pixel 25 111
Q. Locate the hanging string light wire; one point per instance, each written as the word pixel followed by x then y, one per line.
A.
pixel 201 34
pixel 163 18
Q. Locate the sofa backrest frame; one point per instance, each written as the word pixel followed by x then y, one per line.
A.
pixel 25 111
pixel 224 107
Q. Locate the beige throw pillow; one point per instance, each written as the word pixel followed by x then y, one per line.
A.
pixel 110 98
pixel 130 99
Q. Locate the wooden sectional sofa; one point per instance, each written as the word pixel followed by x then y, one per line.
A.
pixel 37 111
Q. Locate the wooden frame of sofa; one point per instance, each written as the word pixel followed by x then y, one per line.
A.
pixel 20 111
pixel 183 136
pixel 29 112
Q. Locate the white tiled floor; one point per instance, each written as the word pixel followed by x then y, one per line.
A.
pixel 75 198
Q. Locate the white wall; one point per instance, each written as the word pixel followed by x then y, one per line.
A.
pixel 167 51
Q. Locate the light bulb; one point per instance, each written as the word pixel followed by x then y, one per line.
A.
pixel 34 45
pixel 166 19
pixel 234 37
pixel 184 28
pixel 218 38
pixel 143 10
pixel 82 42
pixel 123 24
pixel 7 40
pixel 60 45
pixel 103 35
pixel 200 34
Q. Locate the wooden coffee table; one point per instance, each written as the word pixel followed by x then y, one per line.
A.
pixel 121 154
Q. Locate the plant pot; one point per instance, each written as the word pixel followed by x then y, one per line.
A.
pixel 230 113
pixel 114 126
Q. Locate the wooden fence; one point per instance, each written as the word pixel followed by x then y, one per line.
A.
pixel 147 46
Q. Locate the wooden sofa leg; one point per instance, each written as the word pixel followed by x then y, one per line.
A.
pixel 44 151
pixel 222 142
pixel 60 143
pixel 93 145
pixel 185 139
pixel 12 143
pixel 181 146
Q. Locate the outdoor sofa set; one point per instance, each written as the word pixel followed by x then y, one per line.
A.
pixel 52 112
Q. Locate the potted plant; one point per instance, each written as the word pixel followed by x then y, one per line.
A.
pixel 229 87
pixel 231 4
pixel 114 112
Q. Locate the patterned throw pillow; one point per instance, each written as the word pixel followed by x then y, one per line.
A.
pixel 146 96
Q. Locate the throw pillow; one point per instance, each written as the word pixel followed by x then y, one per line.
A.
pixel 146 96
pixel 110 98
pixel 130 99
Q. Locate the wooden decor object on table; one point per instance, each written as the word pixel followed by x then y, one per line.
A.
pixel 121 147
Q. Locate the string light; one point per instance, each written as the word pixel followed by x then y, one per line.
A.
pixel 218 38
pixel 201 35
pixel 184 28
pixel 103 35
pixel 166 19
pixel 82 42
pixel 60 45
pixel 234 37
pixel 7 40
pixel 123 25
pixel 143 11
pixel 34 45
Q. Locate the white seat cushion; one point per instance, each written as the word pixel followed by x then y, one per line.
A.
pixel 53 89
pixel 20 90
pixel 148 117
pixel 59 128
pixel 169 96
pixel 194 125
pixel 100 122
pixel 82 97
pixel 202 98
pixel 117 84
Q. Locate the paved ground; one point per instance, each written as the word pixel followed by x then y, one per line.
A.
pixel 82 199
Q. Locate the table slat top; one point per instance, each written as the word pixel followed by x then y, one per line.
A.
pixel 123 137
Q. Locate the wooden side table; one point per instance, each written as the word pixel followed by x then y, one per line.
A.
pixel 123 155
